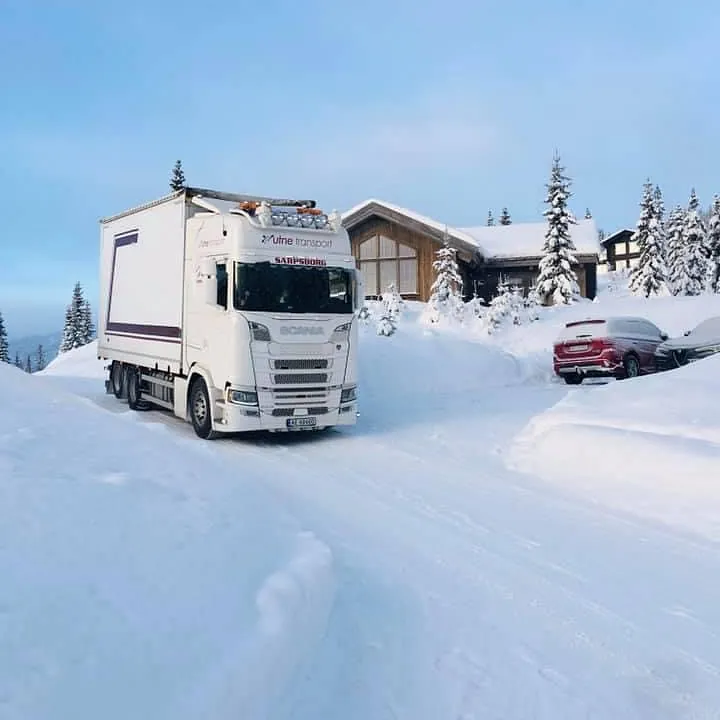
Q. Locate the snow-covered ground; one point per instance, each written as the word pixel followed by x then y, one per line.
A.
pixel 474 548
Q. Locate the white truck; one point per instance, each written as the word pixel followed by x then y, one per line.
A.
pixel 234 312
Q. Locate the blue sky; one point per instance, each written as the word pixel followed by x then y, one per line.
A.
pixel 449 108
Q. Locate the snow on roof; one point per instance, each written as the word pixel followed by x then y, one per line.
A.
pixel 453 233
pixel 498 241
pixel 527 239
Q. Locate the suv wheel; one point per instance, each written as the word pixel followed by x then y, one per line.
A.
pixel 573 379
pixel 632 366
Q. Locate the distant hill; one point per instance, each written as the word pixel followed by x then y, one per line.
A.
pixel 28 346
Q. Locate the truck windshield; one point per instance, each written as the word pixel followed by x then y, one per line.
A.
pixel 268 287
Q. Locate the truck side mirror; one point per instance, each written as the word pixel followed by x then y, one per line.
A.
pixel 208 270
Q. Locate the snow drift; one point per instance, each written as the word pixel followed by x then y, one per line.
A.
pixel 142 576
pixel 649 446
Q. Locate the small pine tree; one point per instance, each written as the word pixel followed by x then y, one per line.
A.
pixel 491 219
pixel 86 325
pixel 505 218
pixel 532 304
pixel 588 214
pixel 674 249
pixel 40 361
pixel 4 345
pixel 557 280
pixel 713 245
pixel 18 361
pixel 446 301
pixel 28 364
pixel 475 307
pixel 177 179
pixel 500 306
pixel 659 205
pixel 648 277
pixel 516 304
pixel 695 251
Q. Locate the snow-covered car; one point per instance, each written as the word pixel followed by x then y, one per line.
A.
pixel 695 344
pixel 619 347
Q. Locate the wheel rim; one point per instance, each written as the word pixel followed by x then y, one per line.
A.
pixel 200 408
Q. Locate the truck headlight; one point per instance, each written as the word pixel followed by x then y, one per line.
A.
pixel 243 397
pixel 348 394
pixel 341 332
pixel 259 332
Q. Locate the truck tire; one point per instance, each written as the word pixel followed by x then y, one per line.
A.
pixel 117 380
pixel 573 379
pixel 132 382
pixel 200 410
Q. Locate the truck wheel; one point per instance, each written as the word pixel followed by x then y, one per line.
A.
pixel 132 382
pixel 573 379
pixel 201 410
pixel 117 380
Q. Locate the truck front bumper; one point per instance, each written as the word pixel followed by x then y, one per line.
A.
pixel 240 418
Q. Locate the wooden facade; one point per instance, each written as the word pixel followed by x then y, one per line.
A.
pixel 391 246
pixel 622 252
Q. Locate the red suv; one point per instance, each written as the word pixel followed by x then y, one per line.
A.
pixel 620 347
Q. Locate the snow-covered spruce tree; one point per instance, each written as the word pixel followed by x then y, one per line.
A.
pixel 87 327
pixel 695 250
pixel 40 359
pixel 177 179
pixel 659 204
pixel 500 307
pixel 491 219
pixel 517 305
pixel 557 281
pixel 588 214
pixel 675 250
pixel 18 361
pixel 532 304
pixel 505 218
pixel 648 277
pixel 4 346
pixel 446 301
pixel 475 308
pixel 78 328
pixel 392 302
pixel 713 246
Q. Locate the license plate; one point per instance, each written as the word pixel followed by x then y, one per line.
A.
pixel 301 422
pixel 578 348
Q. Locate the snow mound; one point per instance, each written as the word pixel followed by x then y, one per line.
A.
pixel 80 363
pixel 648 446
pixel 142 576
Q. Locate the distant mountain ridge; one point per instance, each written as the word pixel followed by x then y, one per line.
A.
pixel 28 345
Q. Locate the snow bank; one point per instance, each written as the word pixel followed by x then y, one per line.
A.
pixel 80 363
pixel 531 344
pixel 649 446
pixel 142 576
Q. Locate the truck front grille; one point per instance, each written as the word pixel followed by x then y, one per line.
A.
pixel 300 378
pixel 301 364
pixel 289 412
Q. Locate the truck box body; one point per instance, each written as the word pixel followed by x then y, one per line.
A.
pixel 217 290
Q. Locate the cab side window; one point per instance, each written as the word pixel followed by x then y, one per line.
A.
pixel 222 284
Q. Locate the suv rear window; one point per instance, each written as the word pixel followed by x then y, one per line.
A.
pixel 584 329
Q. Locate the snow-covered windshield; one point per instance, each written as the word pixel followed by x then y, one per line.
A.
pixel 707 331
pixel 584 329
pixel 267 287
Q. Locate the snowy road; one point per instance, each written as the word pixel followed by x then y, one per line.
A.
pixel 464 590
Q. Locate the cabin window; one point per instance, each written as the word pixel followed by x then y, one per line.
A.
pixel 384 262
pixel 222 284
